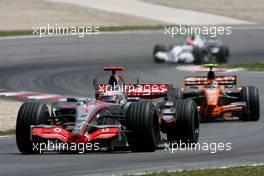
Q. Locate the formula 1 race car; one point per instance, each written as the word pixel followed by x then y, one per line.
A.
pixel 121 114
pixel 219 96
pixel 196 50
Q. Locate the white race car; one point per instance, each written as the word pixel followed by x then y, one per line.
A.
pixel 196 50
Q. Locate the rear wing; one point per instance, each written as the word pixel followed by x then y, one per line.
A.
pixel 117 83
pixel 149 91
pixel 202 80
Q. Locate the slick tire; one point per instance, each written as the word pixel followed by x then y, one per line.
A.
pixel 250 95
pixel 158 48
pixel 186 129
pixel 31 113
pixel 143 122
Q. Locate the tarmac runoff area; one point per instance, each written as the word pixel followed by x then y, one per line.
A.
pixel 156 12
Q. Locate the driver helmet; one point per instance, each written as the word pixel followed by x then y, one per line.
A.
pixel 109 96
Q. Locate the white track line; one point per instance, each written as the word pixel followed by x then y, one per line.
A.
pixel 6 136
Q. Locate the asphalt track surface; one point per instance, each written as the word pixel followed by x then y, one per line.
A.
pixel 67 65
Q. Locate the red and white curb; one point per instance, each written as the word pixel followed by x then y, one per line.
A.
pixel 199 68
pixel 32 95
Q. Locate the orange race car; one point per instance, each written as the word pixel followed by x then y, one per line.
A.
pixel 220 97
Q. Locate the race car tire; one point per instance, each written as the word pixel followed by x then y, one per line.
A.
pixel 158 48
pixel 143 121
pixel 186 128
pixel 227 52
pixel 250 95
pixel 30 113
pixel 223 54
pixel 198 55
pixel 170 96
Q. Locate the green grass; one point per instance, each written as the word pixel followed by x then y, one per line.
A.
pixel 14 33
pixel 235 171
pixel 12 131
pixel 102 29
pixel 249 67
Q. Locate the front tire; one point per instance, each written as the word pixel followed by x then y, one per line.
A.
pixel 31 113
pixel 158 48
pixel 143 122
pixel 250 95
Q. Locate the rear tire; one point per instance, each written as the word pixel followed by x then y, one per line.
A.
pixel 143 122
pixel 31 113
pixel 250 95
pixel 186 129
pixel 158 48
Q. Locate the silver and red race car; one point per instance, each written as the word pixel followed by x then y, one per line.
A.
pixel 196 50
pixel 132 115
